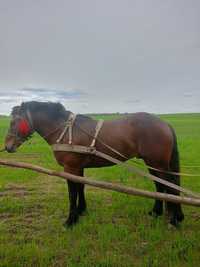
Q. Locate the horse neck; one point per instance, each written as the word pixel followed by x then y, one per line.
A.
pixel 48 128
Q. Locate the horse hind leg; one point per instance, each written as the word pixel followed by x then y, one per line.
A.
pixel 174 210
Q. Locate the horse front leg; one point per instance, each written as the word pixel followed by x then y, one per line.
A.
pixel 81 199
pixel 73 211
pixel 75 190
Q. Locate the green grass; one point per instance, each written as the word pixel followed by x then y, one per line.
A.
pixel 116 230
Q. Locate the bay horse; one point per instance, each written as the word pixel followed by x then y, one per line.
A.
pixel 140 135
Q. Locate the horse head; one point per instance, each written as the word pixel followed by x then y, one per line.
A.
pixel 21 128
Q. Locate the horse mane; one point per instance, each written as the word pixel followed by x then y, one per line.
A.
pixel 54 110
pixel 15 110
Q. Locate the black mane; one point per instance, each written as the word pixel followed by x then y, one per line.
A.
pixel 54 110
pixel 15 110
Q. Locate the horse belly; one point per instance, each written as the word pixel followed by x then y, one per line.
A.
pixel 119 141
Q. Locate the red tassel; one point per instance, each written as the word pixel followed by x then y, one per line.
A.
pixel 24 128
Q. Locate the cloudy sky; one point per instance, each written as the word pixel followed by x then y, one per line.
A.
pixel 101 55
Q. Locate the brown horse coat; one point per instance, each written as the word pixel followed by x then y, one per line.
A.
pixel 139 135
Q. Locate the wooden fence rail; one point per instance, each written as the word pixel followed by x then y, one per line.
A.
pixel 109 186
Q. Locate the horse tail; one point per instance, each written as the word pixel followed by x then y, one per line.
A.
pixel 175 160
pixel 175 178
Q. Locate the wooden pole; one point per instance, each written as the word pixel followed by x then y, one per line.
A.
pixel 130 168
pixel 109 186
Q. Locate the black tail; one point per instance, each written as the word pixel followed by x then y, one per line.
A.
pixel 175 167
pixel 174 161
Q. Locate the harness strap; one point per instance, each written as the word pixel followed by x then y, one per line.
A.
pixel 92 151
pixel 68 126
pixel 30 119
pixel 97 130
pixel 71 128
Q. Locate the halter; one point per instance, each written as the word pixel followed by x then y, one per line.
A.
pixel 25 127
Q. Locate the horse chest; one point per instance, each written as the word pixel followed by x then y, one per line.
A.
pixel 73 160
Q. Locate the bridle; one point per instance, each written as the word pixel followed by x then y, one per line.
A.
pixel 28 124
pixel 25 128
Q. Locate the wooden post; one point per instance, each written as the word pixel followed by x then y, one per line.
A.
pixel 109 186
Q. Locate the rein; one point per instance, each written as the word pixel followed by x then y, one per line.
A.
pixel 54 131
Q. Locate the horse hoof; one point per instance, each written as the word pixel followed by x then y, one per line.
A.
pixel 180 217
pixel 82 211
pixel 154 214
pixel 69 224
pixel 71 221
pixel 171 226
pixel 174 222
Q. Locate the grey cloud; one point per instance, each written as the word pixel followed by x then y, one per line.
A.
pixel 57 93
pixel 10 93
pixel 11 98
pixel 133 101
pixel 138 50
pixel 6 100
pixel 41 93
pixel 187 95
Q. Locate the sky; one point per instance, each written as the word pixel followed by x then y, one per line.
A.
pixel 101 56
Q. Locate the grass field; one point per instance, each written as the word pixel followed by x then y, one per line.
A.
pixel 116 231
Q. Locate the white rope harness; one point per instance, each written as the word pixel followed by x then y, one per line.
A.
pixel 69 127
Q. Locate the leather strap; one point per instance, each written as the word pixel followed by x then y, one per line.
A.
pixel 97 130
pixel 30 120
pixel 68 126
pixel 71 128
pixel 133 169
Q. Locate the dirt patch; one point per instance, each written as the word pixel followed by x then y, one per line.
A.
pixel 31 216
pixel 30 155
pixel 15 187
pixel 14 190
pixel 5 216
pixel 25 156
pixel 195 216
